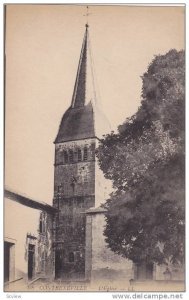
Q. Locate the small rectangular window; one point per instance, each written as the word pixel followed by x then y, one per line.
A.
pixel 40 226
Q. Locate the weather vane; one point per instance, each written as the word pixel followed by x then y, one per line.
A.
pixel 86 15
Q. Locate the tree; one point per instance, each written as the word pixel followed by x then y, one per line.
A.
pixel 145 161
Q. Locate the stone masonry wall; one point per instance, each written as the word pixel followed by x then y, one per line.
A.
pixel 74 193
pixel 102 265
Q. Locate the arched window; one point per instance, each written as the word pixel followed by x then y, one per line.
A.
pixel 70 156
pixel 93 151
pixel 79 157
pixel 65 190
pixel 71 257
pixel 65 155
pixel 85 156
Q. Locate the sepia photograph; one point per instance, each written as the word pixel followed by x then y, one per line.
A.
pixel 94 148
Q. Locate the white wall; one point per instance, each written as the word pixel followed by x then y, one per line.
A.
pixel 18 221
pixel 103 186
pixel 102 265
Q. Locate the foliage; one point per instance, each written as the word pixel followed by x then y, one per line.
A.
pixel 145 161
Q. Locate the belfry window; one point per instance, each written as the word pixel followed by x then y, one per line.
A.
pixel 85 157
pixel 71 156
pixel 93 151
pixel 65 154
pixel 79 155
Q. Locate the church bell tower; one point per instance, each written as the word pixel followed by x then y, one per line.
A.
pixel 75 171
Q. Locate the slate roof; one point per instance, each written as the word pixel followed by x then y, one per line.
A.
pixel 77 123
pixel 29 202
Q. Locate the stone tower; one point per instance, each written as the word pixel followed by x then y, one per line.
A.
pixel 78 182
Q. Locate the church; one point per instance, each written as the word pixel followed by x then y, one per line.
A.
pixel 79 185
pixel 68 244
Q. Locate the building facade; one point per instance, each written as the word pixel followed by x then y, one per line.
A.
pixel 28 241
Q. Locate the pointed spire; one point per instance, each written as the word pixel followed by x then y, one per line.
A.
pixel 83 118
pixel 78 98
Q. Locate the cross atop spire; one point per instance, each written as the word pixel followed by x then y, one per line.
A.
pixel 86 15
pixel 84 89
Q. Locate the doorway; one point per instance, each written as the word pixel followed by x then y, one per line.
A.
pixel 144 271
pixel 58 263
pixel 9 261
pixel 31 260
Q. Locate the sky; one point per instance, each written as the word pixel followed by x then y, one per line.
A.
pixel 42 45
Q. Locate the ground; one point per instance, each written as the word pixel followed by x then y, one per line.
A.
pixel 43 285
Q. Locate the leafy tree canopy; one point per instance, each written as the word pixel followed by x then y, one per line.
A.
pixel 145 161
